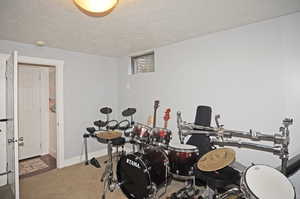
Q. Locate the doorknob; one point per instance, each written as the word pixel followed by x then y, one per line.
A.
pixel 11 140
pixel 21 141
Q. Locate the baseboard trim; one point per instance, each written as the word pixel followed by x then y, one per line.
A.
pixel 3 180
pixel 80 158
pixel 52 152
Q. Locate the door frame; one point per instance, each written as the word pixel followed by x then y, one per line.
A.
pixel 59 65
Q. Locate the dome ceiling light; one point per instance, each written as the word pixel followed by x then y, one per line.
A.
pixel 97 8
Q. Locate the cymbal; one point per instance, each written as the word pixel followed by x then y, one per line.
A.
pixel 105 110
pixel 232 197
pixel 216 159
pixel 129 112
pixel 109 135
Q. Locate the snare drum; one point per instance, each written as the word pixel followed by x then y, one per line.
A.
pixel 182 158
pixel 264 182
pixel 160 136
pixel 141 132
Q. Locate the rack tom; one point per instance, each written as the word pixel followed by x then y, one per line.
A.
pixel 141 133
pixel 182 158
pixel 161 136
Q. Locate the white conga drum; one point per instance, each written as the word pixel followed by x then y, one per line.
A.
pixel 264 182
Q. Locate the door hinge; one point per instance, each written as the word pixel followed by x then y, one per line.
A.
pixel 5 74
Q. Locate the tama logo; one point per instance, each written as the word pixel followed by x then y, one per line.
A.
pixel 133 163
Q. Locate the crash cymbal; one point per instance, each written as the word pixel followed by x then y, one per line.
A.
pixel 216 159
pixel 109 135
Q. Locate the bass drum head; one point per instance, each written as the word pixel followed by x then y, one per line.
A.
pixel 131 176
pixel 265 182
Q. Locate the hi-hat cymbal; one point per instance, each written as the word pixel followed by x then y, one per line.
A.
pixel 109 135
pixel 216 159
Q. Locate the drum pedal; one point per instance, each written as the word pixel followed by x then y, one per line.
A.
pixel 95 163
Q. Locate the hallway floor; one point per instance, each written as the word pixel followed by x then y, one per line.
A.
pixel 37 165
pixel 5 192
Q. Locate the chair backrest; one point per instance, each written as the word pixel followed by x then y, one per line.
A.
pixel 202 142
pixel 203 116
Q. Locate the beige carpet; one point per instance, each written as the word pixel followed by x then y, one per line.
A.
pixel 75 182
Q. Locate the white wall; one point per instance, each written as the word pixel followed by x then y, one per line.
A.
pixel 250 75
pixel 90 82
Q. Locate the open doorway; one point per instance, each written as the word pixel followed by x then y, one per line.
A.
pixel 9 136
pixel 37 119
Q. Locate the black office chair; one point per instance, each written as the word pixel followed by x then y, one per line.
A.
pixel 215 180
pixel 203 118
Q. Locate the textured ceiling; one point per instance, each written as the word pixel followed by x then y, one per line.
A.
pixel 134 25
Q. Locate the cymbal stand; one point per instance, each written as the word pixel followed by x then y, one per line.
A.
pixel 85 137
pixel 108 174
pixel 91 131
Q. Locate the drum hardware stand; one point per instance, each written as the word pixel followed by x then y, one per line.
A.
pixel 234 191
pixel 85 137
pixel 108 175
pixel 166 164
pixel 187 192
pixel 285 132
pixel 91 131
pixel 223 136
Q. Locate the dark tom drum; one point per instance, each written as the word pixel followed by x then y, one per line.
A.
pixel 141 132
pixel 182 158
pixel 161 136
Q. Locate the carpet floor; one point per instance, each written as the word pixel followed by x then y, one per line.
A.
pixel 75 182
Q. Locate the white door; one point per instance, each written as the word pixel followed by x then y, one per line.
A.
pixel 29 111
pixel 12 124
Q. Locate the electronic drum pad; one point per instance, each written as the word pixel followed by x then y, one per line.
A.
pixel 216 159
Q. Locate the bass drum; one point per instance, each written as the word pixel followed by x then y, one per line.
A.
pixel 141 174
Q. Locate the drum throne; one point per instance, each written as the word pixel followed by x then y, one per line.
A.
pixel 221 180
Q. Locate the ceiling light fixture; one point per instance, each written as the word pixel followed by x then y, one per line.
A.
pixel 96 8
pixel 40 43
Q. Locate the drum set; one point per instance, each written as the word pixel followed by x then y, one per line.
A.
pixel 148 168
